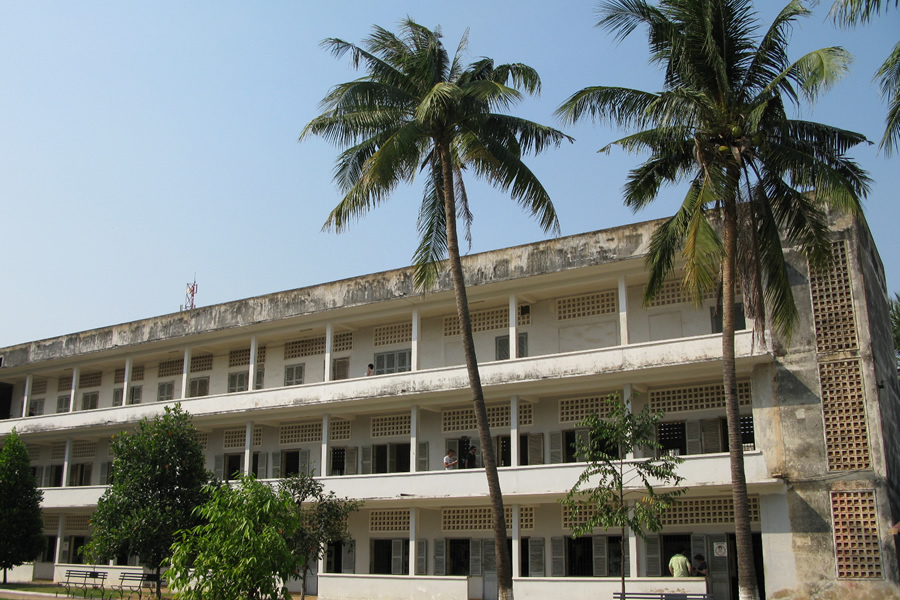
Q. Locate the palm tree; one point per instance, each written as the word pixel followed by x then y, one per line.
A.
pixel 758 180
pixel 850 13
pixel 418 109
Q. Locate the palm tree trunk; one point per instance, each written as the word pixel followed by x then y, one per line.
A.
pixel 504 570
pixel 747 588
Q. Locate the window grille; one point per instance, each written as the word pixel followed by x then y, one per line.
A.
pixel 486 320
pixel 51 523
pixel 234 438
pixel 393 361
pixel 573 410
pixel 832 303
pixel 256 437
pixel 397 333
pixel 201 362
pixel 38 386
pixel 203 438
pixel 342 342
pixel 305 347
pixel 239 357
pixel 339 430
pixel 64 384
pixel 168 368
pixel 463 419
pixel 856 544
pixel 119 376
pixel 579 515
pixel 526 413
pixel 844 411
pixel 300 433
pixel 707 511
pixel 526 517
pixel 57 451
pixel 78 523
pixel 479 518
pixel 90 380
pixel 586 305
pixel 35 407
pixel 84 449
pixel 389 520
pixel 34 452
pixel 672 292
pixel 390 426
pixel 137 373
pixel 697 397
pixel 261 355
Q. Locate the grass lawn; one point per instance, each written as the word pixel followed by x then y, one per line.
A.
pixel 48 587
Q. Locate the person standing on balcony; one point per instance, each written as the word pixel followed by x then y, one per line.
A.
pixel 680 565
pixel 470 460
pixel 450 461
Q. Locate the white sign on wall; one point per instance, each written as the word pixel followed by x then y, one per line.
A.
pixel 720 549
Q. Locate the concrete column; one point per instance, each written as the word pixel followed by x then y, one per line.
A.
pixel 414 359
pixel 251 373
pixel 413 553
pixel 329 335
pixel 73 393
pixel 185 373
pixel 513 327
pixel 626 398
pixel 248 449
pixel 66 458
pixel 623 312
pixel 60 531
pixel 516 557
pixel 126 383
pixel 632 551
pixel 26 399
pixel 325 434
pixel 514 430
pixel 413 442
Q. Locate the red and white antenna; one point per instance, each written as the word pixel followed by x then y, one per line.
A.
pixel 190 295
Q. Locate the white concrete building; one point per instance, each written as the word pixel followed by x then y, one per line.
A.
pixel 817 414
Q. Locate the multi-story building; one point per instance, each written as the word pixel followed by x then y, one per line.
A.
pixel 279 382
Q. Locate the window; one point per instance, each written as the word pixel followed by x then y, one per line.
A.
pixel 49 554
pixel 80 474
pixel 237 382
pixel 53 476
pixel 390 458
pixel 293 374
pixel 137 393
pixel 117 397
pixel 715 318
pixel 579 557
pixel 340 369
pixel 748 437
pixel 338 461
pixel 397 361
pixel 35 407
pixel 501 345
pixel 388 558
pixel 90 400
pixel 672 437
pixel 458 556
pixel 62 404
pixel 166 391
pixel 571 440
pixel 334 558
pixel 260 378
pixel 199 386
pixel 234 466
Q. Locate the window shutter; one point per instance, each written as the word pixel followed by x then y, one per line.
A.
pixel 582 438
pixel 48 474
pixel 718 565
pixel 64 552
pixel 475 557
pixel 276 465
pixel 305 461
pixel 260 378
pixel 350 458
pixel 698 546
pixel 440 557
pixel 380 360
pixel 536 557
pixel 601 563
pixel 522 350
pixel 693 436
pixel 421 557
pixel 392 458
pixel 536 451
pixel 62 404
pixel 71 482
pixel 117 397
pixel 501 347
pixel 366 460
pixel 348 558
pixel 626 551
pixel 422 457
pixel 403 360
pixel 557 557
pixel 556 453
pixel 654 562
pixel 220 466
pixel 261 459
pixel 710 432
pixel 488 556
pixel 86 474
pixel 39 476
pixel 397 557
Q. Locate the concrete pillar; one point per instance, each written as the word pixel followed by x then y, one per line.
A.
pixel 626 398
pixel 513 327
pixel 413 444
pixel 60 532
pixel 632 550
pixel 414 359
pixel 413 553
pixel 325 434
pixel 66 458
pixel 73 393
pixel 623 312
pixel 514 430
pixel 26 399
pixel 329 334
pixel 185 373
pixel 248 449
pixel 516 558
pixel 251 372
pixel 126 383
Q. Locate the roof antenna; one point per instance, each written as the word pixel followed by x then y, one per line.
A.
pixel 190 295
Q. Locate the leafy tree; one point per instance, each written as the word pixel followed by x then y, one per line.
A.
pixel 419 109
pixel 850 13
pixel 158 479
pixel 894 309
pixel 721 124
pixel 21 528
pixel 322 520
pixel 240 552
pixel 619 493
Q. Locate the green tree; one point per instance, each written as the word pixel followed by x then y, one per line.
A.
pixel 158 478
pixel 721 124
pixel 850 13
pixel 894 309
pixel 322 519
pixel 22 527
pixel 240 551
pixel 619 493
pixel 419 109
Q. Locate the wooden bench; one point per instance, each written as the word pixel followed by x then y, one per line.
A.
pixel 661 596
pixel 86 581
pixel 136 583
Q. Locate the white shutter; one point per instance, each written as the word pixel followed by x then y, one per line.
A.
pixel 692 434
pixel 306 465
pixel 440 557
pixel 698 546
pixel 475 558
pixel 501 347
pixel 422 457
pixel 104 473
pixel 219 469
pixel 366 460
pixel 488 556
pixel 350 458
pixel 536 450
pixel 117 397
pixel 522 350
pixel 261 466
pixel 48 475
pixel 421 557
pixel 557 557
pixel 536 557
pixel 601 563
pixel 556 447
pixel 397 557
pixel 718 565
pixel 276 465
pixel 710 431
pixel 626 550
pixel 654 562
pixel 348 557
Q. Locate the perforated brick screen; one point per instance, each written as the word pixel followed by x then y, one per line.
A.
pixel 299 433
pixel 586 305
pixel 844 411
pixel 572 410
pixel 201 362
pixel 463 419
pixel 305 347
pixel 83 449
pixel 832 302
pixel 856 544
pixel 390 425
pixel 89 380
pixel 168 368
pixel 707 511
pixel 389 520
pixel 343 342
pixel 696 397
pixel 339 430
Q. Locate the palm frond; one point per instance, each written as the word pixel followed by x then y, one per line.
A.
pixel 889 76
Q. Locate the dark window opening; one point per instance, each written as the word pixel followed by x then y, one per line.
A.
pixel 580 557
pixel 290 463
pixel 672 438
pixel 715 317
pixel 501 346
pixel 458 557
pixel 748 438
pixel 390 458
pixel 49 554
pixel 338 461
pixel 334 558
pixel 614 555
pixel 671 544
pixel 524 558
pixel 233 468
pixel 76 544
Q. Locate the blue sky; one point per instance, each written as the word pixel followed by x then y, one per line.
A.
pixel 142 143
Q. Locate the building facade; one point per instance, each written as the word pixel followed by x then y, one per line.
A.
pixel 279 383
